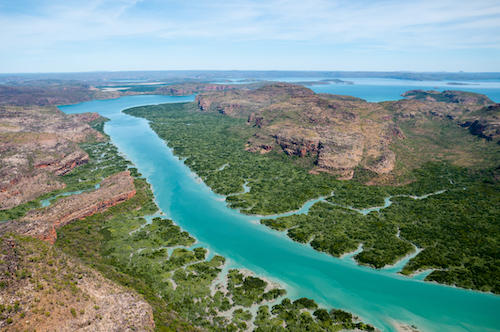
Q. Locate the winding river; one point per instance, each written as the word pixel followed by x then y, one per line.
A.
pixel 378 297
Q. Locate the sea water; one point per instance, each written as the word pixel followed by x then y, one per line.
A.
pixel 379 297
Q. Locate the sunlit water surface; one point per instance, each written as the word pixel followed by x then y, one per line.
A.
pixel 379 297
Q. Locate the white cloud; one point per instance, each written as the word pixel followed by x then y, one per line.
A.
pixel 388 24
pixel 329 26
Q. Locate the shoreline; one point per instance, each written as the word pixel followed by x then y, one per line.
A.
pixel 331 256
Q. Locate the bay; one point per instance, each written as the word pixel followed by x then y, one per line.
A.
pixel 379 89
pixel 382 89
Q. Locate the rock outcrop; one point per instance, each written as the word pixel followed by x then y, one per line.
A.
pixel 42 223
pixel 473 111
pixel 25 188
pixel 340 132
pixel 484 123
pixel 186 89
pixel 344 133
pixel 449 96
pixel 58 293
pixel 37 145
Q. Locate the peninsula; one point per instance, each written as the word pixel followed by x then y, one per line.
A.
pixel 290 145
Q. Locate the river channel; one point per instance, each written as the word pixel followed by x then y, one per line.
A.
pixel 379 297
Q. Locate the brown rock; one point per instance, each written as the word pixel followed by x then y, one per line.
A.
pixel 344 133
pixel 42 223
pixel 340 131
pixel 36 145
pixel 26 188
pixel 89 302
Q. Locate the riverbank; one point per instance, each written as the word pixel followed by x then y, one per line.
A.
pixel 339 223
pixel 375 297
pixel 158 259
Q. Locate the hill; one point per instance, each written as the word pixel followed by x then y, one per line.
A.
pixel 438 198
pixel 341 134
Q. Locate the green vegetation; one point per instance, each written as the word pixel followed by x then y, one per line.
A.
pixel 98 124
pixel 210 141
pixel 151 255
pixel 36 271
pixel 303 315
pixel 459 229
pixel 20 210
pixel 449 96
pixel 441 140
pixel 249 290
pixel 104 161
pixel 158 260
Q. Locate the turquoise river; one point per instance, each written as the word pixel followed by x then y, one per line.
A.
pixel 378 297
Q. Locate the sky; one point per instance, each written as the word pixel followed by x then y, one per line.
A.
pixel 386 35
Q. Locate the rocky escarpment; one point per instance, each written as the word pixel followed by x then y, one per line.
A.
pixel 475 112
pixel 343 133
pixel 36 146
pixel 46 290
pixel 340 133
pixel 41 288
pixel 449 96
pixel 42 223
pixel 192 88
pixel 64 165
pixel 484 123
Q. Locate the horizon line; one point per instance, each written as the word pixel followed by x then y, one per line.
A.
pixel 253 70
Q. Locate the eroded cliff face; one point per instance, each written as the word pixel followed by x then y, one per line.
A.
pixel 481 118
pixel 186 89
pixel 484 123
pixel 449 96
pixel 341 133
pixel 37 145
pixel 42 223
pixel 345 133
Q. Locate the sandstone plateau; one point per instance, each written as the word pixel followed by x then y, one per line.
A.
pixel 449 96
pixel 340 132
pixel 38 144
pixel 53 291
pixel 42 223
pixel 343 133
pixel 475 112
pixel 186 89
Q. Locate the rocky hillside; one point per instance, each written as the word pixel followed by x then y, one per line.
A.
pixel 41 288
pixel 36 146
pixel 45 93
pixel 484 123
pixel 340 133
pixel 475 112
pixel 449 96
pixel 54 92
pixel 185 89
pixel 46 290
pixel 42 223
